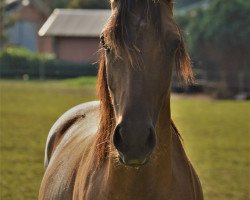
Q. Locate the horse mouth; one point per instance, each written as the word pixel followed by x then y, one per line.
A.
pixel 135 163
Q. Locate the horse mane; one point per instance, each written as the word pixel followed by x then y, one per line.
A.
pixel 183 61
pixel 106 113
pixel 116 36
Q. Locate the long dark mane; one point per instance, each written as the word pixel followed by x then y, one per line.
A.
pixel 116 36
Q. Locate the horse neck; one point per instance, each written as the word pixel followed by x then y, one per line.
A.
pixel 162 155
pixel 163 130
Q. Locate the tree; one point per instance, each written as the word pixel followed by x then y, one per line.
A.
pixel 220 34
pixel 182 3
pixel 57 3
pixel 6 21
pixel 101 4
pixel 87 4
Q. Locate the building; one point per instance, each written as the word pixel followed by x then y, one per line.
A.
pixel 29 16
pixel 75 33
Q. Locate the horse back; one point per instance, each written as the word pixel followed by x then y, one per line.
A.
pixel 69 141
pixel 70 118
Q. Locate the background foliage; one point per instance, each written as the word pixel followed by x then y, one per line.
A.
pixel 218 37
pixel 100 3
pixel 78 3
pixel 182 3
pixel 224 24
pixel 19 62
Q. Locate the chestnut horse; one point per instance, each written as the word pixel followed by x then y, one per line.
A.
pixel 126 147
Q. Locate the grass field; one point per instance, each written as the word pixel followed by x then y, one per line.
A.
pixel 216 136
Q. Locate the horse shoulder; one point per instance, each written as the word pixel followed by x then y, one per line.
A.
pixel 60 128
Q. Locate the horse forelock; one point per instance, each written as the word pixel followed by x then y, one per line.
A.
pixel 116 31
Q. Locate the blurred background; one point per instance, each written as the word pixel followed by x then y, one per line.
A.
pixel 49 62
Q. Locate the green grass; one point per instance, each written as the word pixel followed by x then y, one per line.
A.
pixel 217 139
pixel 216 136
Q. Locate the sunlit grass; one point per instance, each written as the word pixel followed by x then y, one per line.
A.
pixel 216 136
pixel 217 139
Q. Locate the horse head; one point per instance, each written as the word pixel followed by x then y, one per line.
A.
pixel 142 43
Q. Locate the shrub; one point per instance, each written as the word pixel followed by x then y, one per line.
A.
pixel 17 62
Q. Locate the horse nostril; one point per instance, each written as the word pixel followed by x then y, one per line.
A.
pixel 151 140
pixel 117 139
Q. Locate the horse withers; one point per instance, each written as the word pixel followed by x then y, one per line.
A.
pixel 126 146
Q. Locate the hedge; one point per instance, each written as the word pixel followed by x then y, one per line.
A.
pixel 19 62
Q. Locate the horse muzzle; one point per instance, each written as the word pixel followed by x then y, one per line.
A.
pixel 134 146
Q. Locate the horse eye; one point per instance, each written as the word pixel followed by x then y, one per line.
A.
pixel 104 45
